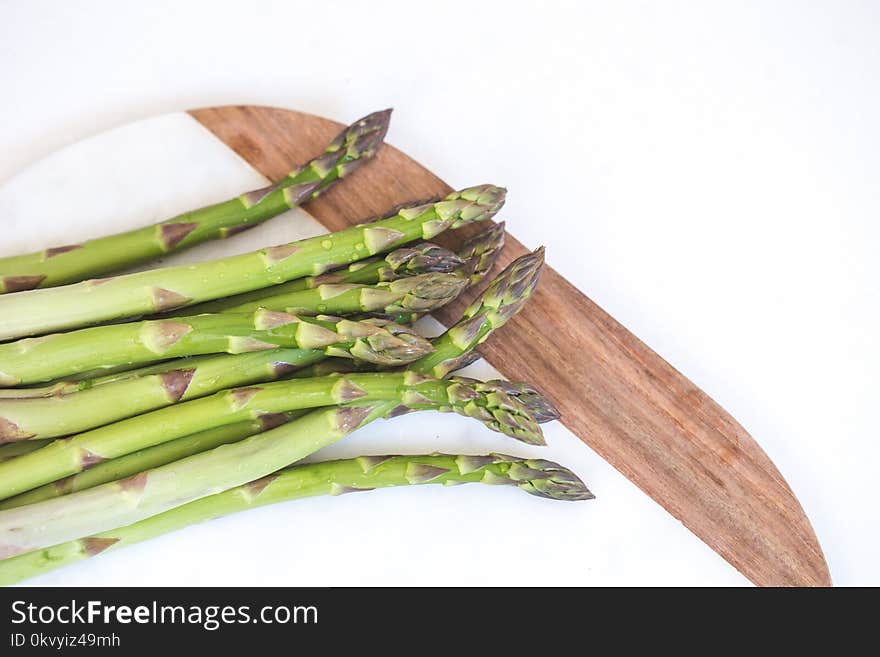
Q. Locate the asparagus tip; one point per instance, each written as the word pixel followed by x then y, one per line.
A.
pixel 426 292
pixel 390 344
pixel 509 291
pixel 481 252
pixel 423 258
pixel 485 200
pixel 363 138
pixel 377 122
pixel 548 479
pixel 541 408
pixel 488 403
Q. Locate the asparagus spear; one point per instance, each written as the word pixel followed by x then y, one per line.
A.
pixel 59 387
pixel 67 264
pixel 63 458
pixel 422 258
pixel 12 450
pixel 95 378
pixel 474 261
pixel 90 302
pixel 153 491
pixel 151 457
pixel 175 381
pixel 417 294
pixel 83 382
pixel 32 360
pixel 534 476
pixel 222 362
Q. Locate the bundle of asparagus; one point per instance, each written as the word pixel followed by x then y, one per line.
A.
pixel 245 365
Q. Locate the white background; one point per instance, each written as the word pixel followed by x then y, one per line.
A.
pixel 707 172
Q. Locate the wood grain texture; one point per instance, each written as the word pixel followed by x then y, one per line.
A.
pixel 623 400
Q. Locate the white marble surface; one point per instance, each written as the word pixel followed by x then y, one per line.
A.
pixel 706 172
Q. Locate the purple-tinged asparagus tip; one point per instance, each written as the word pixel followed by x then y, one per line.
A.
pixel 481 252
pixel 364 137
pixel 496 409
pixel 507 294
pixel 423 258
pixel 549 479
pixel 545 478
pixel 541 408
pixel 485 200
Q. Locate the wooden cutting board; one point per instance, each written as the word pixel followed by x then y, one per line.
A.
pixel 614 393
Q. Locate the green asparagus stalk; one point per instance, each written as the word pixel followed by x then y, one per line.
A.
pixel 129 500
pixel 535 476
pixel 474 261
pixel 12 450
pixel 539 407
pixel 88 379
pixel 59 387
pixel 222 362
pixel 63 458
pixel 422 258
pixel 94 378
pixel 81 383
pixel 30 419
pixel 151 457
pixel 91 302
pixel 32 360
pixel 415 294
pixel 75 262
